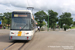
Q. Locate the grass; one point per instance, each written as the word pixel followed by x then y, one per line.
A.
pixel 72 27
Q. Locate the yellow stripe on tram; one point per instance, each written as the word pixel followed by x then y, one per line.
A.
pixel 19 33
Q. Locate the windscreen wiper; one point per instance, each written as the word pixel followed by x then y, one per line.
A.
pixel 23 27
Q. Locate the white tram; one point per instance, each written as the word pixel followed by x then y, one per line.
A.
pixel 23 25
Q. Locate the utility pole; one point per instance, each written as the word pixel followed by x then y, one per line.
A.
pixel 48 21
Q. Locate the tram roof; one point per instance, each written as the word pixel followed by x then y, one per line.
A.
pixel 22 11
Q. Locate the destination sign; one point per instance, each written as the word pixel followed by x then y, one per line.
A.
pixel 21 14
pixel 18 15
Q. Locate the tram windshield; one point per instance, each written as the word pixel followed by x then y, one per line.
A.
pixel 19 23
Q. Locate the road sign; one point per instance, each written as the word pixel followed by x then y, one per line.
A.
pixel 0 22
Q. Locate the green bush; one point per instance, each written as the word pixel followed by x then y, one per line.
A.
pixel 42 29
pixel 0 25
pixel 67 27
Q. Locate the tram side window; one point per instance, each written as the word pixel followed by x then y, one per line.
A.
pixel 32 24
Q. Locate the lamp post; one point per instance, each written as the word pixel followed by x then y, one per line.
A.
pixel 48 21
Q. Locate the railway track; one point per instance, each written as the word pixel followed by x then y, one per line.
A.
pixel 18 45
pixel 9 46
pixel 21 47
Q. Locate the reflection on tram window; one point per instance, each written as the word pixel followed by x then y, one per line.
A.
pixel 20 22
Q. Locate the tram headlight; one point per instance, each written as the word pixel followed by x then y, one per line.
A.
pixel 26 33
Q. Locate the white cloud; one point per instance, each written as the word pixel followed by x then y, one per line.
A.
pixel 56 5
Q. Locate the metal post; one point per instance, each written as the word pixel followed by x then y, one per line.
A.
pixel 48 21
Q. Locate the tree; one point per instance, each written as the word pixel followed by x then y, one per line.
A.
pixel 1 16
pixel 39 17
pixel 52 18
pixel 66 19
pixel 44 23
pixel 4 21
pixel 8 17
pixel 74 23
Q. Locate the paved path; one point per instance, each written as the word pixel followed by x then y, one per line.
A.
pixel 52 40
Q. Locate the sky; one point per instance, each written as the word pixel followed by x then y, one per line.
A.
pixel 59 6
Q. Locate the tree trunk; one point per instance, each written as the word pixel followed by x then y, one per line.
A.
pixel 53 28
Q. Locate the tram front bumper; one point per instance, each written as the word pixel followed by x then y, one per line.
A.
pixel 20 37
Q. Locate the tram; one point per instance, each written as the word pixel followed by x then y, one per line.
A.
pixel 23 25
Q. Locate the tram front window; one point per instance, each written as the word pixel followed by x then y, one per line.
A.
pixel 19 23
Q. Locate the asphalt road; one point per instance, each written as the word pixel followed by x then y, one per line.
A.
pixel 51 40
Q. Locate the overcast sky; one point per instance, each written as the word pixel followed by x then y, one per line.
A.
pixel 59 6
